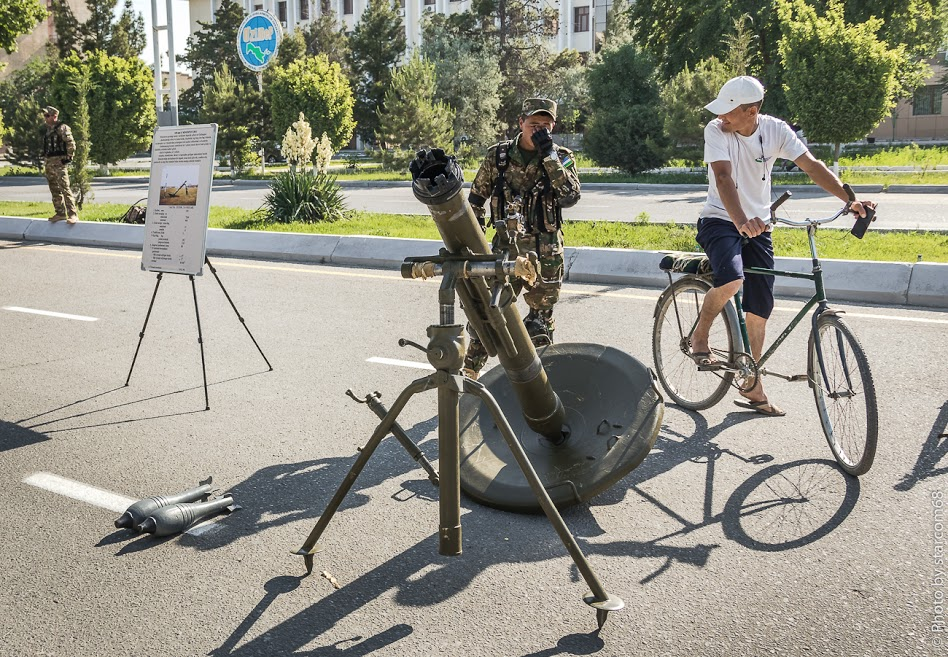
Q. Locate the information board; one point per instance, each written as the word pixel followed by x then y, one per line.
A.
pixel 179 197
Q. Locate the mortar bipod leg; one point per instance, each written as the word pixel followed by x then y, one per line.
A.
pixel 598 598
pixel 310 547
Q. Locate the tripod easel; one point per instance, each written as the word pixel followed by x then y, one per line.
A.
pixel 445 351
pixel 197 315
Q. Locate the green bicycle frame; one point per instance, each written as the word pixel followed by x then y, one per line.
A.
pixel 818 299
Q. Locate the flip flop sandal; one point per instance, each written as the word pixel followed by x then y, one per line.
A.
pixel 705 361
pixel 763 407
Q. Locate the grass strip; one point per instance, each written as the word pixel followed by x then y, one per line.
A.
pixel 788 242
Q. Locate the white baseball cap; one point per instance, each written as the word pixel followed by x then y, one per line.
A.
pixel 736 91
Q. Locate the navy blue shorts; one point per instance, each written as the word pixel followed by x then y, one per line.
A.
pixel 722 243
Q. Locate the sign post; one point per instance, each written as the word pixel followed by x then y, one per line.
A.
pixel 258 41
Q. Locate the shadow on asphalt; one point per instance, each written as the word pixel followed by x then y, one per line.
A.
pixel 781 507
pixel 13 436
pixel 121 405
pixel 933 451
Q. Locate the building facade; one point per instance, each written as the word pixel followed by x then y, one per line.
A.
pixel 33 44
pixel 922 117
pixel 579 20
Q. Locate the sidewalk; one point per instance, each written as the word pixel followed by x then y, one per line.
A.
pixel 893 283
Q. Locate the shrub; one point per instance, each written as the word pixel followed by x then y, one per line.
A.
pixel 305 197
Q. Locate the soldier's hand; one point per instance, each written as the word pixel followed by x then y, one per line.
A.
pixel 67 160
pixel 543 140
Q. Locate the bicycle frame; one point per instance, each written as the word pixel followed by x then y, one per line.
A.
pixel 818 299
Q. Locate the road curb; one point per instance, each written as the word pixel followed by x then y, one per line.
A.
pixel 916 284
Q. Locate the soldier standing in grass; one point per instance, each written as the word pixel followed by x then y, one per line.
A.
pixel 58 149
pixel 529 180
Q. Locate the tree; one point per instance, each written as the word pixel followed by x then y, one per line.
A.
pixel 626 127
pixel 79 178
pixel 519 32
pixel 569 87
pixel 22 95
pixel 324 37
pixel 376 45
pixel 467 78
pixel 411 118
pixel 124 37
pixel 841 80
pixel 215 44
pixel 18 17
pixel 121 103
pixel 319 90
pixel 683 101
pixel 231 105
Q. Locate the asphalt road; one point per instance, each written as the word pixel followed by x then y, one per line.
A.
pixel 737 535
pixel 902 211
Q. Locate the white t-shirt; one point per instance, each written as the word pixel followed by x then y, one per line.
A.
pixel 752 160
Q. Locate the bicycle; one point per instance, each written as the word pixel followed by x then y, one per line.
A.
pixel 837 366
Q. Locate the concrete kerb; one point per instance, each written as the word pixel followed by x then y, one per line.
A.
pixel 922 284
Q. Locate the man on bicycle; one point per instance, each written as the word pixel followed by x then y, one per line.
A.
pixel 740 147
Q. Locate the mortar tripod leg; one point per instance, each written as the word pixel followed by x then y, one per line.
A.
pixel 598 598
pixel 310 547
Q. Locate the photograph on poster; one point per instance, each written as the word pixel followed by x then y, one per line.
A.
pixel 179 185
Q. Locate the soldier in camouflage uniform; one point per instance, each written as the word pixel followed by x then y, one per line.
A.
pixel 529 180
pixel 58 149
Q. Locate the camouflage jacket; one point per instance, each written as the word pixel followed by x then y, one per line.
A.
pixel 59 141
pixel 539 188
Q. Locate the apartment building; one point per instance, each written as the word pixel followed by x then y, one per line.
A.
pixel 579 20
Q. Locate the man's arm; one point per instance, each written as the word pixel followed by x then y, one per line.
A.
pixel 69 140
pixel 483 186
pixel 561 168
pixel 727 190
pixel 822 176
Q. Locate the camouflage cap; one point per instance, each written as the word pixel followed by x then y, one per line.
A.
pixel 533 106
pixel 49 109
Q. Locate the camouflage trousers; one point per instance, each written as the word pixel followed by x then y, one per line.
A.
pixel 58 178
pixel 540 298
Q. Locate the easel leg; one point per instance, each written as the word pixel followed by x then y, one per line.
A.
pixel 217 278
pixel 310 547
pixel 599 598
pixel 197 315
pixel 141 335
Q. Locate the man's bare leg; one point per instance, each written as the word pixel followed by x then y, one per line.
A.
pixel 756 332
pixel 714 302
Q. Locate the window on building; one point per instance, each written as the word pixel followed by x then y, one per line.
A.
pixel 347 7
pixel 429 2
pixel 927 100
pixel 258 7
pixel 281 11
pixel 304 10
pixel 581 19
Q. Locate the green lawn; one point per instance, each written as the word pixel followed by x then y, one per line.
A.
pixel 839 244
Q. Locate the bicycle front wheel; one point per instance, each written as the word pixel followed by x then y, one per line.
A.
pixel 675 317
pixel 845 394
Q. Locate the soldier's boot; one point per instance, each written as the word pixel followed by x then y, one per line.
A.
pixel 539 325
pixel 73 218
pixel 56 217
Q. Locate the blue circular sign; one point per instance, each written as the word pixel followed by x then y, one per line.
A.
pixel 258 40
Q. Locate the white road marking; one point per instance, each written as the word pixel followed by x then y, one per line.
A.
pixel 400 363
pixel 79 491
pixel 50 313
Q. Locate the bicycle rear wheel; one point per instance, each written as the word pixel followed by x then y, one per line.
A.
pixel 845 394
pixel 675 317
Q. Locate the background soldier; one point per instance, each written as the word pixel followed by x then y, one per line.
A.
pixel 529 180
pixel 58 149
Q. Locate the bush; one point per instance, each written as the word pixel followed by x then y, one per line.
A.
pixel 305 197
pixel 397 159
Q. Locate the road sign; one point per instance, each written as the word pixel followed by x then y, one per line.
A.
pixel 258 40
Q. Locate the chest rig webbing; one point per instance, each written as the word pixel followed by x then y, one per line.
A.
pixel 532 210
pixel 53 142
